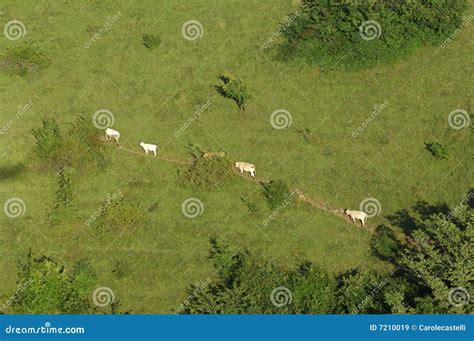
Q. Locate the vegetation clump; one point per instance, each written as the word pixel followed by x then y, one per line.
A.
pixel 234 89
pixel 206 172
pixel 276 193
pixel 151 41
pixel 438 150
pixel 80 146
pixel 22 60
pixel 358 34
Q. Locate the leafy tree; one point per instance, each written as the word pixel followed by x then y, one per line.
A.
pixel 248 283
pixel 46 288
pixel 276 193
pixel 440 256
pixel 233 88
pixel 357 34
pixel 384 244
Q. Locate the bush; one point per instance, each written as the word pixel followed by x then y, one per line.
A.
pixel 120 216
pixel 22 60
pixel 151 41
pixel 84 277
pixel 48 139
pixel 437 150
pixel 357 34
pixel 234 89
pixel 79 147
pixel 384 244
pixel 44 287
pixel 276 193
pixel 62 207
pixel 206 172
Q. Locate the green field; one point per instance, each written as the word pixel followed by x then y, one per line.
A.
pixel 153 93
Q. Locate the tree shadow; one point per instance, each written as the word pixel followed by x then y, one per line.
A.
pixel 11 171
pixel 409 220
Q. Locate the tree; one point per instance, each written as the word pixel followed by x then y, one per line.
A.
pixel 248 283
pixel 440 256
pixel 46 288
pixel 233 88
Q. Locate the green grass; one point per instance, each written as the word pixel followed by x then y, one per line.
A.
pixel 152 93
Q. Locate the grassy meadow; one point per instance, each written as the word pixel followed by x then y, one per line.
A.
pixel 153 92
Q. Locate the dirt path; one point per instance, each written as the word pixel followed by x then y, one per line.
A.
pixel 318 204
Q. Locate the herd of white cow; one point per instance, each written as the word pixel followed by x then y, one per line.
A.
pixel 114 135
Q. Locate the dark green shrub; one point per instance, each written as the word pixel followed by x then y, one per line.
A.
pixel 120 217
pixel 357 34
pixel 276 193
pixel 234 89
pixel 437 150
pixel 48 139
pixel 251 206
pixel 249 283
pixel 22 60
pixel 83 277
pixel 44 287
pixel 151 41
pixel 384 244
pixel 62 207
pixel 80 146
pixel 206 172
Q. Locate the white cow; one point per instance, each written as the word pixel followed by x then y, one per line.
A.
pixel 362 216
pixel 112 134
pixel 247 167
pixel 149 147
